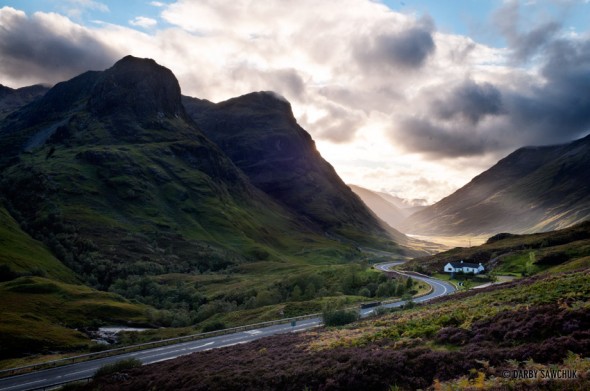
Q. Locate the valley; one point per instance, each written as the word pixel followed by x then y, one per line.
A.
pixel 125 203
pixel 117 191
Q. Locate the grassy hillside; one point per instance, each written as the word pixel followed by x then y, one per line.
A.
pixel 559 250
pixel 128 196
pixel 533 189
pixel 22 255
pixel 42 301
pixel 465 341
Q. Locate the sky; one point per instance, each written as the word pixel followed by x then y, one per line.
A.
pixel 414 98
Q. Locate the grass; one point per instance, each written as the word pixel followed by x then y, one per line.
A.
pixel 22 254
pixel 459 341
pixel 519 255
pixel 41 315
pixel 463 310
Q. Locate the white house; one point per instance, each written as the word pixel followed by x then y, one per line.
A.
pixel 465 267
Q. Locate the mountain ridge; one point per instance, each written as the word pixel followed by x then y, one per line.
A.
pixel 532 189
pixel 260 134
pixel 124 189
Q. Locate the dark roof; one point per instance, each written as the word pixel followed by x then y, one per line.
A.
pixel 464 264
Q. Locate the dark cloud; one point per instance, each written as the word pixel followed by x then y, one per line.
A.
pixel 290 80
pixel 469 101
pixel 407 49
pixel 50 49
pixel 558 109
pixel 551 109
pixel 523 44
pixel 286 82
pixel 437 140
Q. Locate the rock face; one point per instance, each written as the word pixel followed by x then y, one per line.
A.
pixel 138 87
pixel 533 189
pixel 260 134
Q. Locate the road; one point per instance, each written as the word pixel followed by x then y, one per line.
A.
pixel 82 370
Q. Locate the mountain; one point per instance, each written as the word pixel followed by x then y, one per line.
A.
pixel 125 194
pixel 386 210
pixel 260 134
pixel 108 169
pixel 531 190
pixel 391 209
pixel 12 99
pixel 407 206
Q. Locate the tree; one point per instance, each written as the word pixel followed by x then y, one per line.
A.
pixel 364 292
pixel 382 290
pixel 409 283
pixel 296 293
pixel 310 291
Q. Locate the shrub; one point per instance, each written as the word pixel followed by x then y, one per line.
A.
pixel 339 317
pixel 213 326
pixel 121 365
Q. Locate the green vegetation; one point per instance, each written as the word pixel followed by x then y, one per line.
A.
pixel 40 315
pixel 519 255
pixel 20 255
pixel 42 301
pixel 462 341
pixel 119 366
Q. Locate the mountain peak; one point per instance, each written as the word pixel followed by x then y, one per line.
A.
pixel 267 101
pixel 138 86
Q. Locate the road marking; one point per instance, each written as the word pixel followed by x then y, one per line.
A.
pixel 74 373
pixel 253 332
pixel 201 346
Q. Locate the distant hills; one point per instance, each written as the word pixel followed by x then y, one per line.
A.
pixel 531 190
pixel 393 210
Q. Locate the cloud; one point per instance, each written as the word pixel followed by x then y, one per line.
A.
pixel 48 47
pixel 525 44
pixel 142 21
pixel 338 124
pixel 360 77
pixel 556 109
pixel 75 8
pixel 408 48
pixel 469 101
pixel 440 140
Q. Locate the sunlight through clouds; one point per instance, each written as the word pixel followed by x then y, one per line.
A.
pixel 368 83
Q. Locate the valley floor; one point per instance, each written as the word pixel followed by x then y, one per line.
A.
pixel 470 340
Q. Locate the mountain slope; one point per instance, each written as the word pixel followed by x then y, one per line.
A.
pixel 112 159
pixel 13 99
pixel 41 300
pixel 260 134
pixel 533 189
pixel 109 172
pixel 383 208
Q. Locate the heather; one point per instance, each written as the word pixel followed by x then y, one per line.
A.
pixel 455 343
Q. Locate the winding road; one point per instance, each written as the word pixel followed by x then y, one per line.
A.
pixel 47 378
